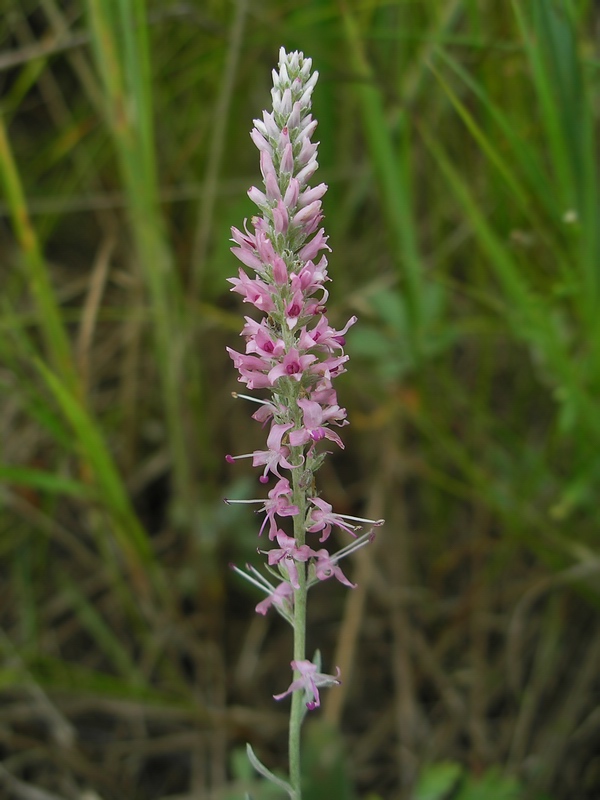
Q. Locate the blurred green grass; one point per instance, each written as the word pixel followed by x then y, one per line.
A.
pixel 459 142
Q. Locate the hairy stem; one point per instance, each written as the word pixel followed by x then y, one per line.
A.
pixel 300 594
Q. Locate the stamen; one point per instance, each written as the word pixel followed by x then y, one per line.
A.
pixel 262 584
pixel 366 538
pixel 230 502
pixel 232 459
pixel 374 522
pixel 258 400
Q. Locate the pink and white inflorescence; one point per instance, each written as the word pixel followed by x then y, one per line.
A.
pixel 291 351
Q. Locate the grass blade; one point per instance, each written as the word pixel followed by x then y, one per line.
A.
pixel 391 172
pixel 55 337
pixel 127 529
pixel 125 74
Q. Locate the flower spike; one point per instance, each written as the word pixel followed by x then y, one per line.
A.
pixel 293 354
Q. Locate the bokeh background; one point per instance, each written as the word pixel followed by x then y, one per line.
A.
pixel 459 142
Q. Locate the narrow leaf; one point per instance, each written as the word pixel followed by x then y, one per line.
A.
pixel 266 773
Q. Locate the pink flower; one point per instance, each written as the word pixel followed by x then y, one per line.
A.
pixel 318 242
pixel 313 429
pixel 311 278
pixel 258 198
pixel 311 681
pixel 260 141
pixel 252 369
pixel 254 291
pixel 287 159
pixel 267 167
pixel 324 393
pixel 264 413
pixel 309 195
pixel 336 415
pixel 247 247
pixel 294 308
pixel 331 367
pixel 309 170
pixel 278 503
pixel 292 193
pixel 292 366
pixel 261 341
pixel 264 248
pixel 272 458
pixel 323 336
pixel 326 567
pixel 307 151
pixel 281 219
pixel 291 552
pixel 247 257
pixel 280 275
pixel 306 216
pixel 281 596
pixel 276 455
pixel 322 518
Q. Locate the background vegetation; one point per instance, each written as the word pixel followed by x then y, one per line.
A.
pixel 458 139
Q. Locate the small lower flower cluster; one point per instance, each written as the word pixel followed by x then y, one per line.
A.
pixel 292 352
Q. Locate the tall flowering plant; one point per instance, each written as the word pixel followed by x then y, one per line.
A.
pixel 292 354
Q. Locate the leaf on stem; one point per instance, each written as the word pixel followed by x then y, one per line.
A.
pixel 266 773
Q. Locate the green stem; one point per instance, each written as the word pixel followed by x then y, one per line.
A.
pixel 298 706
